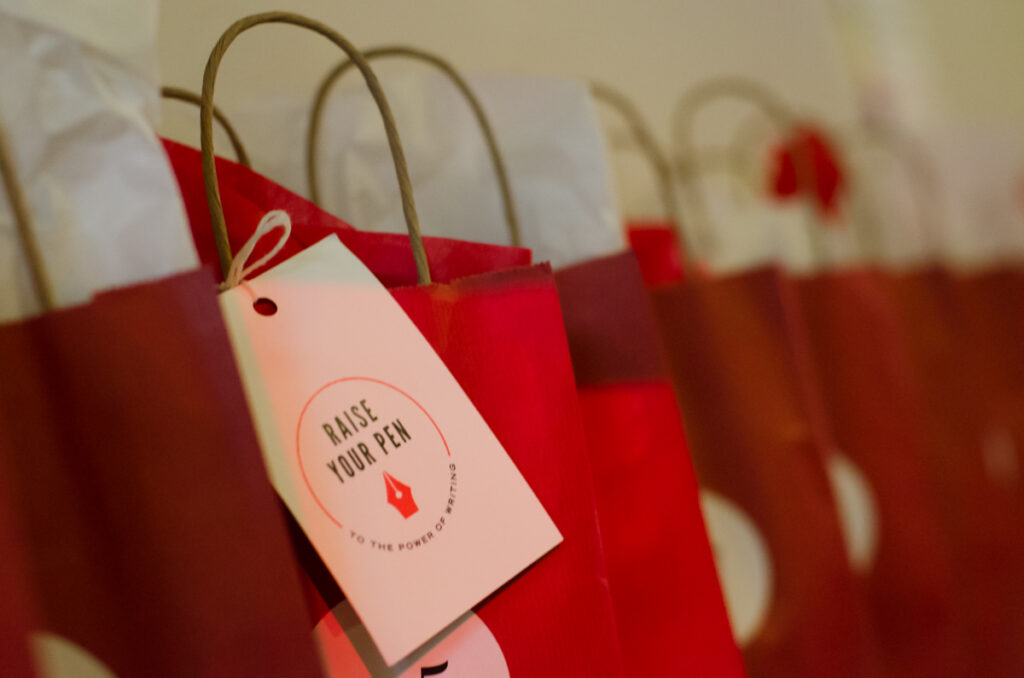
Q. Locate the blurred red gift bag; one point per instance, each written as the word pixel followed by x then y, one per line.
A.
pixel 667 596
pixel 866 378
pixel 979 508
pixel 501 336
pixel 153 544
pixel 759 445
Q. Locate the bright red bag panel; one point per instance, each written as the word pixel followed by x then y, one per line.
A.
pixel 502 337
pixel 672 619
pixel 656 244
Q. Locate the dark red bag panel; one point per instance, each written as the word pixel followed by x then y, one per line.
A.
pixel 502 337
pixel 663 581
pixel 153 536
pixel 981 514
pixel 247 196
pixel 755 440
pixel 656 245
pixel 989 307
pixel 865 377
pixel 609 322
pixel 17 619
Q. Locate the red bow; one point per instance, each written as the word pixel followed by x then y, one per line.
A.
pixel 806 150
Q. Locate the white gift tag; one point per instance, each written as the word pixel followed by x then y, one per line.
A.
pixel 411 501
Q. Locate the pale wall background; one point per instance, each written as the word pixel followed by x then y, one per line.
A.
pixel 930 63
pixel 652 50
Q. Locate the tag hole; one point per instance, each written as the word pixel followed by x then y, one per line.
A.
pixel 264 306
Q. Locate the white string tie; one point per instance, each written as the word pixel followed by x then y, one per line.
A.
pixel 271 221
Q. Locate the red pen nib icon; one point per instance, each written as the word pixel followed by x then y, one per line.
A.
pixel 400 496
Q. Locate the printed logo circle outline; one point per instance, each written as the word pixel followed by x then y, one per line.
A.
pixel 302 415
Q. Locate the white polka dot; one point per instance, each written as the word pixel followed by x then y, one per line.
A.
pixel 58 657
pixel 743 563
pixel 858 511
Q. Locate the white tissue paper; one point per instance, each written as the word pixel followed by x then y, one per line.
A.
pixel 978 198
pixel 547 130
pixel 79 90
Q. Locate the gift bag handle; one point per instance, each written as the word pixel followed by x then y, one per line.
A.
pixel 684 117
pixel 644 139
pixel 206 132
pixel 497 160
pixel 24 226
pixel 181 94
pixel 910 154
pixel 696 98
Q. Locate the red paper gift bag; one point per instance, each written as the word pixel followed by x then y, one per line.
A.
pixel 866 380
pixel 667 597
pixel 502 337
pixel 981 513
pixel 759 447
pixel 153 539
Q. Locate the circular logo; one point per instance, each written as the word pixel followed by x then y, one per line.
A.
pixel 377 464
pixel 743 564
pixel 858 511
